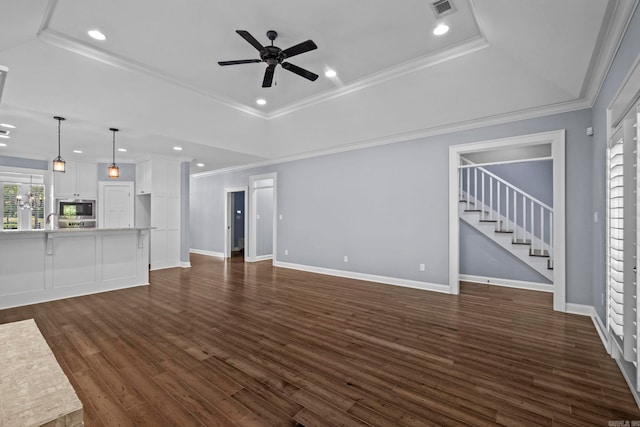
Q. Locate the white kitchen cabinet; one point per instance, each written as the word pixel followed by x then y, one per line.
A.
pixel 80 181
pixel 144 178
pixel 158 194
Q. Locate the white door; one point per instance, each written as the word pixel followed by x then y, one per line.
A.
pixel 116 205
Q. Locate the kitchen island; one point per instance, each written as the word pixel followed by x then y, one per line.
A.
pixel 44 265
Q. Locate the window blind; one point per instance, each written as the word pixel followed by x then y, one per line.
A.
pixel 616 236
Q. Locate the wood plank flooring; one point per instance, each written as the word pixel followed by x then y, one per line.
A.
pixel 224 344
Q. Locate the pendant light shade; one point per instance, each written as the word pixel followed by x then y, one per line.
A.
pixel 58 163
pixel 114 172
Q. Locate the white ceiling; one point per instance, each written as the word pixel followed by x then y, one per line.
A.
pixel 156 76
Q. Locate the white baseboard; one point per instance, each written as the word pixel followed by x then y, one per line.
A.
pixel 435 287
pixel 581 309
pixel 520 284
pixel 634 392
pixel 207 253
pixel 186 264
pixel 264 257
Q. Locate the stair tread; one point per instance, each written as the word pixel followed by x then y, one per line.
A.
pixel 472 210
pixel 539 253
pixel 521 241
pixel 505 231
pixel 488 220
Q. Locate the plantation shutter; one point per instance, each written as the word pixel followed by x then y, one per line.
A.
pixel 622 237
pixel 9 208
pixel 616 235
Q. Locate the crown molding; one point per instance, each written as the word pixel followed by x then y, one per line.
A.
pixel 62 41
pixel 464 48
pixel 618 24
pixel 58 39
pixel 497 119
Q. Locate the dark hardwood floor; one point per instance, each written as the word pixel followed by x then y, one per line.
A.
pixel 224 344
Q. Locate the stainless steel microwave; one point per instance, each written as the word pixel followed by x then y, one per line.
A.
pixel 76 209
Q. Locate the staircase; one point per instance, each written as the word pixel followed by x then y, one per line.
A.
pixel 513 219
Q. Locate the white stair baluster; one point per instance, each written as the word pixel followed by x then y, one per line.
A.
pixel 475 188
pixel 482 184
pixel 515 215
pixel 533 242
pixel 506 193
pixel 468 188
pixel 542 228
pixel 498 204
pixel 524 217
pixel 460 171
pixel 490 198
pixel 551 235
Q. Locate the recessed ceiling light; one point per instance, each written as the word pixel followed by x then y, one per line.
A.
pixel 2 144
pixel 200 165
pixel 330 73
pixel 8 126
pixel 97 35
pixel 261 101
pixel 123 150
pixel 440 29
pixel 77 151
pixel 177 148
pixel 5 136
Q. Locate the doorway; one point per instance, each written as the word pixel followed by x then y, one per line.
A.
pixel 262 214
pixel 235 235
pixel 557 141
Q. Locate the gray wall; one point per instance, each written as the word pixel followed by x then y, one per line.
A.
pixel 386 207
pixel 264 224
pixel 127 172
pixel 19 162
pixel 534 178
pixel 480 256
pixel 627 54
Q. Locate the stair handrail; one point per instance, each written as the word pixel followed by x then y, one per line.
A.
pixel 517 192
pixel 513 187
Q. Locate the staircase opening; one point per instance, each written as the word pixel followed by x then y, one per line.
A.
pixel 526 229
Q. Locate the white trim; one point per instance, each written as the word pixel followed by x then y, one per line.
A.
pixel 506 162
pixel 262 258
pixel 185 264
pixel 634 392
pixel 207 253
pixel 409 136
pixel 589 310
pixel 557 140
pixel 426 61
pixel 581 309
pixel 435 287
pixel 507 283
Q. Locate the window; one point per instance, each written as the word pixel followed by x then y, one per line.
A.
pixel 9 207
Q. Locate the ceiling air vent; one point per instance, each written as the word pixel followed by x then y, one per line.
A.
pixel 443 7
pixel 3 76
pixel 5 132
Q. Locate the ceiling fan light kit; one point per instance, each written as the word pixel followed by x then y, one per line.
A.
pixel 273 55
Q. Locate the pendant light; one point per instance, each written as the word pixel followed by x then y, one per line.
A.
pixel 58 162
pixel 114 172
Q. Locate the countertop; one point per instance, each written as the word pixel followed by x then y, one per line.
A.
pixel 71 230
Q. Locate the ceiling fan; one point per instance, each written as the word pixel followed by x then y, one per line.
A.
pixel 273 56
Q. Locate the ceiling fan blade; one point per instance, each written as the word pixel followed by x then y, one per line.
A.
pixel 268 76
pixel 299 71
pixel 240 61
pixel 248 37
pixel 300 48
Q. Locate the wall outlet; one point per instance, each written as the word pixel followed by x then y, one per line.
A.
pixel 280 216
pixel 286 251
pixel 422 267
pixel 346 258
